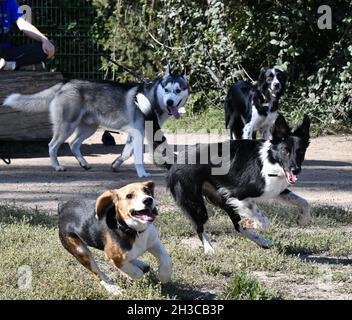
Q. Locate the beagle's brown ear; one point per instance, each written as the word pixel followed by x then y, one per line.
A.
pixel 105 200
pixel 151 186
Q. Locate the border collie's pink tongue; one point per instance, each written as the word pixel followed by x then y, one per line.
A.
pixel 175 112
pixel 291 177
pixel 146 215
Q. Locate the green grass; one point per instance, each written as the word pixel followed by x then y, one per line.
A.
pixel 243 287
pixel 214 119
pixel 211 119
pixel 29 239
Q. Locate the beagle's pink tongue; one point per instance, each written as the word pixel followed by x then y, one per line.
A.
pixel 175 112
pixel 146 216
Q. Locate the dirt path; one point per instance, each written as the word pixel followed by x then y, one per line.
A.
pixel 326 177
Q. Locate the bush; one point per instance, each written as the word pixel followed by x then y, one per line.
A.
pixel 218 42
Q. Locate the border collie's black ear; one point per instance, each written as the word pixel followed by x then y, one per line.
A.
pixel 261 78
pixel 302 129
pixel 283 81
pixel 281 130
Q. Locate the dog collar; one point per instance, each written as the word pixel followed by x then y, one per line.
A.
pixel 128 230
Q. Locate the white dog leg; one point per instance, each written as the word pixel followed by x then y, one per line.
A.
pixel 60 136
pixel 250 213
pixel 264 243
pixel 290 197
pixel 208 248
pixel 266 133
pixel 165 263
pixel 247 131
pixel 82 133
pixel 138 145
pixel 126 154
pixel 141 265
pixel 131 270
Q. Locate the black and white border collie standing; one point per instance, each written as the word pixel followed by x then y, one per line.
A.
pixel 249 108
pixel 257 169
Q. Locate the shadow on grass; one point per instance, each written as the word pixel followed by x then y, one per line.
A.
pixel 10 214
pixel 182 292
pixel 298 250
pixel 326 260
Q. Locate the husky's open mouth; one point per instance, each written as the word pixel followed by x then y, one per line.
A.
pixel 147 215
pixel 173 111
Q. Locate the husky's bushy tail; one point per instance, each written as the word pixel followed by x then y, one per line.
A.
pixel 37 102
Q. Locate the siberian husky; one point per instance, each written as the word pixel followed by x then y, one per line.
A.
pixel 81 107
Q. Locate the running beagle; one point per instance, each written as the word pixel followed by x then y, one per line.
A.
pixel 120 222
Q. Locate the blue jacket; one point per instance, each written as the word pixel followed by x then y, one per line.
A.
pixel 9 14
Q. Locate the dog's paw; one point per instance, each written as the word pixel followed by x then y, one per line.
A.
pixel 246 223
pixel 165 278
pixel 165 272
pixel 208 249
pixel 116 165
pixel 266 244
pixel 262 225
pixel 143 174
pixel 60 169
pixel 112 288
pixel 86 167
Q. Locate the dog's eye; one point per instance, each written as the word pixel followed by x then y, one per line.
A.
pixel 285 152
pixel 178 91
pixel 129 196
pixel 147 191
pixel 167 90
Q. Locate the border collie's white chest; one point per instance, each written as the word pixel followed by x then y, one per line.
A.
pixel 274 175
pixel 260 122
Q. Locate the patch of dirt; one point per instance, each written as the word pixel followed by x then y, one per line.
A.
pixel 326 176
pixel 299 287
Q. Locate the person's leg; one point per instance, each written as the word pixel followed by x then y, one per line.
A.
pixel 25 55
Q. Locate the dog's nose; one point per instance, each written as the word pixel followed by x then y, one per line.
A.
pixel 148 202
pixel 277 85
pixel 170 103
pixel 296 170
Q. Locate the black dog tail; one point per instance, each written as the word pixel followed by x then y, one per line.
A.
pixel 165 157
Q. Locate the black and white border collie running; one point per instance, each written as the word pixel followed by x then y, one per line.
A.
pixel 258 169
pixel 249 108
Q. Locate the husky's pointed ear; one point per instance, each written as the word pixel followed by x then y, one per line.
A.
pixel 103 203
pixel 281 129
pixel 184 75
pixel 302 129
pixel 167 70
